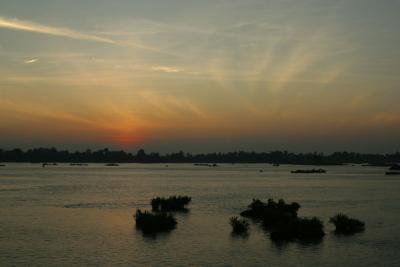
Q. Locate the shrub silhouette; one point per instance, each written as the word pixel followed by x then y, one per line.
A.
pixel 345 225
pixel 271 212
pixel 280 218
pixel 310 228
pixel 239 226
pixel 284 230
pixel 154 222
pixel 302 229
pixel 173 203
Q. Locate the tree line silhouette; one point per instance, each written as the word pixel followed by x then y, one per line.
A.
pixel 275 157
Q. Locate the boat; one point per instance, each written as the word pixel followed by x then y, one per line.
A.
pixel 393 170
pixel 392 173
pixel 309 171
pixel 111 164
pixel 395 167
pixel 48 164
pixel 78 164
pixel 205 164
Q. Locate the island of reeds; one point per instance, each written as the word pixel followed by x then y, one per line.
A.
pixel 278 218
pixel 161 219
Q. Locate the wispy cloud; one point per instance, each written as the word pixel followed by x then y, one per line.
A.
pixel 30 61
pixel 22 25
pixel 167 69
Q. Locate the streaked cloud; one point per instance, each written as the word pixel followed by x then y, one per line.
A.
pixel 30 61
pixel 167 69
pixel 23 25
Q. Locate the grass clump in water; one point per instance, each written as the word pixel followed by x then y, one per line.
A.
pixel 281 220
pixel 346 225
pixel 271 212
pixel 173 203
pixel 302 229
pixel 154 222
pixel 239 226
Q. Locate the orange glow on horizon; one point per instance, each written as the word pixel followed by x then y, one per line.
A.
pixel 125 141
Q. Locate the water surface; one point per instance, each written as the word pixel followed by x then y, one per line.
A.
pixel 82 215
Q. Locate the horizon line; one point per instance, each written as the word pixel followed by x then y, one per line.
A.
pixel 197 153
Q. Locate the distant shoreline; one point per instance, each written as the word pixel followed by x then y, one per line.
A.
pixel 42 155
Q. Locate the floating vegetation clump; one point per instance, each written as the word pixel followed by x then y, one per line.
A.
pixel 280 218
pixel 239 226
pixel 303 229
pixel 154 222
pixel 173 203
pixel 309 228
pixel 271 212
pixel 345 225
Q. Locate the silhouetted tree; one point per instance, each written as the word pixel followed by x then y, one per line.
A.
pixel 275 157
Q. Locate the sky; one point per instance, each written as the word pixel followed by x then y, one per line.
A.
pixel 201 76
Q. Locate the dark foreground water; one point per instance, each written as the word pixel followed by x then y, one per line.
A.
pixel 82 216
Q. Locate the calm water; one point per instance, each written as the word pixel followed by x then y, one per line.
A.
pixel 71 215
